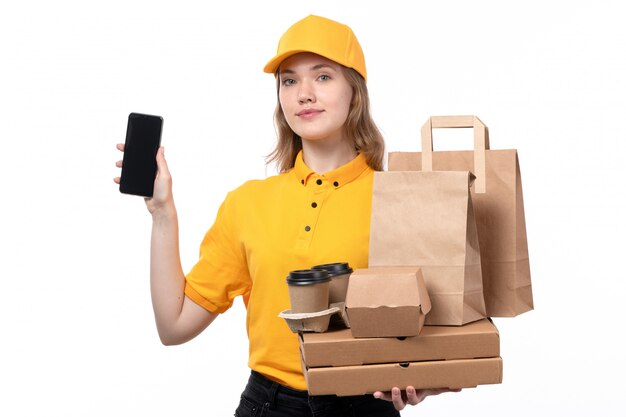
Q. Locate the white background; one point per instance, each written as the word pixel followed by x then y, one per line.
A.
pixel 78 337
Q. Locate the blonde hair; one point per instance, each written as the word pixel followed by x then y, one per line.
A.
pixel 359 126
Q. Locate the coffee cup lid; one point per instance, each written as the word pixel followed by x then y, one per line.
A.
pixel 307 277
pixel 334 269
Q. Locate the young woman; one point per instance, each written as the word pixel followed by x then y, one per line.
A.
pixel 316 211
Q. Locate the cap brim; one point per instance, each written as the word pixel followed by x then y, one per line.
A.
pixel 272 66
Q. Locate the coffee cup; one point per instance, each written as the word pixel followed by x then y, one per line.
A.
pixel 308 290
pixel 339 274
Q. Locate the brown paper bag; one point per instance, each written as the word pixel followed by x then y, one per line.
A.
pixel 426 220
pixel 499 208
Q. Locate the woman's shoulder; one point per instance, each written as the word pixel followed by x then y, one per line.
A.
pixel 256 187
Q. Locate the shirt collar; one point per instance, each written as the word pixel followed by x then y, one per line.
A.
pixel 338 177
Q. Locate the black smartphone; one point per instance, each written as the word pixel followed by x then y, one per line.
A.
pixel 139 167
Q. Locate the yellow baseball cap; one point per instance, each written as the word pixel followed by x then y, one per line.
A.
pixel 325 37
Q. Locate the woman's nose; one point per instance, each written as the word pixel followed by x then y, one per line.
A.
pixel 305 93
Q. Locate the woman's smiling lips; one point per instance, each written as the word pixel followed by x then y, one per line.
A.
pixel 308 113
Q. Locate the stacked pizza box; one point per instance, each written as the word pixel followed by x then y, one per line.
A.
pixel 387 345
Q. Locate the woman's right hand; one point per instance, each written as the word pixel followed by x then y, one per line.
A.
pixel 162 199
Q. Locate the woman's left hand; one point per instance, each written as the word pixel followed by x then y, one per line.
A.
pixel 410 396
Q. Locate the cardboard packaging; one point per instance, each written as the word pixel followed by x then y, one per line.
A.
pixel 426 220
pixel 498 206
pixel 359 380
pixel 340 319
pixel 387 302
pixel 479 339
pixel 309 322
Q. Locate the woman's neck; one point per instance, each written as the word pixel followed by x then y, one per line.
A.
pixel 324 156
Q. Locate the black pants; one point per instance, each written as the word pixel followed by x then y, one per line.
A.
pixel 266 398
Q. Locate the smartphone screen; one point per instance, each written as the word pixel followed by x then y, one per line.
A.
pixel 143 138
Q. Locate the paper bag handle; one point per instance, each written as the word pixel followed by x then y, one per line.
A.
pixel 481 143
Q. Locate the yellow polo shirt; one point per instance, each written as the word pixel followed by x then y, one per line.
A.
pixel 267 228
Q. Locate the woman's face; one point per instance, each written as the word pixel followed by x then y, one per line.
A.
pixel 315 96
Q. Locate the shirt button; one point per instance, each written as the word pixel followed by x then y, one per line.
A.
pixel 314 204
pixel 307 228
pixel 302 181
pixel 336 184
pixel 319 182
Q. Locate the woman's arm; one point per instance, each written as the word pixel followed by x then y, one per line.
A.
pixel 178 318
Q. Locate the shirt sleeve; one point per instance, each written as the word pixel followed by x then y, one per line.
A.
pixel 221 273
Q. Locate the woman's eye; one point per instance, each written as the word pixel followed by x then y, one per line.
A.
pixel 324 77
pixel 288 81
